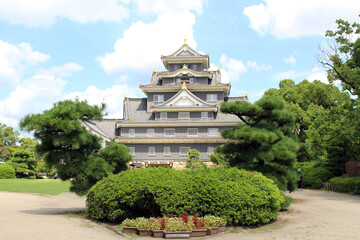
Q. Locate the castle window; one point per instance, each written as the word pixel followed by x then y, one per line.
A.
pixel 169 132
pixel 150 132
pixel 132 151
pixel 213 131
pixel 132 132
pixel 184 150
pixel 184 115
pixel 211 97
pixel 192 131
pixel 210 150
pixel 151 151
pixel 158 98
pixel 204 115
pixel 167 151
pixel 163 115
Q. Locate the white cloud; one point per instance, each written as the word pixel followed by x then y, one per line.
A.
pixel 257 67
pixel 14 60
pixel 290 60
pixel 317 74
pixel 232 68
pixel 62 71
pixel 291 19
pixel 36 13
pixel 112 97
pixel 34 95
pixel 141 44
pixel 163 6
pixel 289 75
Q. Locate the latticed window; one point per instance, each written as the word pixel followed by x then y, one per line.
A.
pixel 184 115
pixel 184 150
pixel 169 132
pixel 192 131
pixel 167 151
pixel 213 132
pixel 211 97
pixel 150 132
pixel 158 98
pixel 132 151
pixel 210 150
pixel 131 132
pixel 151 151
pixel 163 115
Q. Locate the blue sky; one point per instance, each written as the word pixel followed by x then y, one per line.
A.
pixel 99 50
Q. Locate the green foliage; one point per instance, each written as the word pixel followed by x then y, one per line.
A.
pixel 24 164
pixel 346 185
pixel 116 155
pixel 286 204
pixel 315 177
pixel 264 141
pixel 238 196
pixel 70 148
pixel 343 62
pixel 193 161
pixel 219 160
pixel 7 171
pixel 8 138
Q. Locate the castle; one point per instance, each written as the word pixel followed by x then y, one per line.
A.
pixel 181 111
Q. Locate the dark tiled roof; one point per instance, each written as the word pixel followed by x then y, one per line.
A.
pixel 104 128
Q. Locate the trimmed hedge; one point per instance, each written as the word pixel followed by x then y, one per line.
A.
pixel 6 171
pixel 345 185
pixel 238 196
pixel 315 177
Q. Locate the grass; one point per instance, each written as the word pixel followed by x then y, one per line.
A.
pixel 50 187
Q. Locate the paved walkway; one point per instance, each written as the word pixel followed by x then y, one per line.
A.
pixel 313 215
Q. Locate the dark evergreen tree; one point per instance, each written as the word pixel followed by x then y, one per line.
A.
pixel 264 141
pixel 70 148
pixel 24 163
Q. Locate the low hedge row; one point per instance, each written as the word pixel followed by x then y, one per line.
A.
pixel 238 196
pixel 315 177
pixel 346 185
pixel 6 171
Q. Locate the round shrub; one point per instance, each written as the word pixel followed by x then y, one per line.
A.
pixel 315 177
pixel 6 171
pixel 238 196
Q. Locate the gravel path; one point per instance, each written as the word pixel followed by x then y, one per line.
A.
pixel 313 215
pixel 35 216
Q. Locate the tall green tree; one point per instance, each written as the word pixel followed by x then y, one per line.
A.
pixel 24 163
pixel 343 58
pixel 307 101
pixel 68 146
pixel 264 141
pixel 8 139
pixel 193 160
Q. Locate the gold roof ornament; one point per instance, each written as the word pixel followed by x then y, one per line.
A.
pixel 130 120
pixel 117 121
pixel 184 66
pixel 218 68
pixel 114 137
pixel 154 70
pixel 217 105
pixel 211 72
pixel 216 83
pixel 125 95
pixel 185 41
pixel 153 84
pixel 184 86
pixel 245 94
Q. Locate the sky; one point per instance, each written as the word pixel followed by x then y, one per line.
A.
pixel 101 50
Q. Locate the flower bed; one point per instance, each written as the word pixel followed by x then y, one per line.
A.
pixel 184 226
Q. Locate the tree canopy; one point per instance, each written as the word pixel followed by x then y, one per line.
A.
pixel 264 141
pixel 70 148
pixel 343 58
pixel 8 139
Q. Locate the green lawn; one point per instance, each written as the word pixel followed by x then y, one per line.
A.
pixel 51 187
